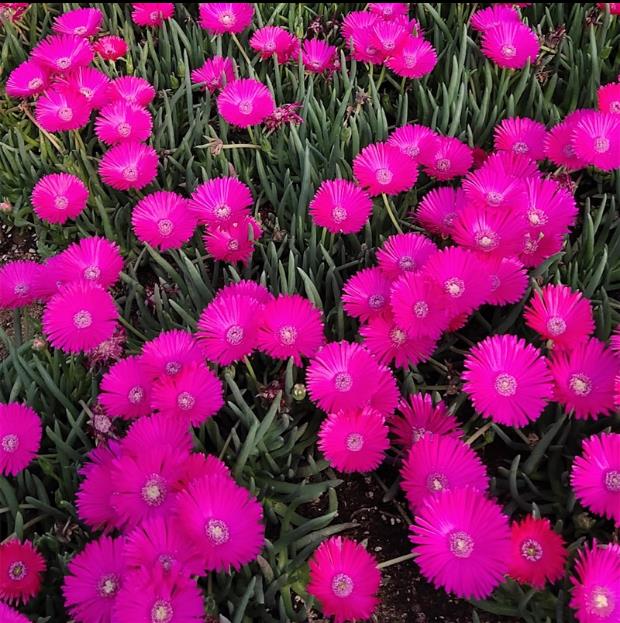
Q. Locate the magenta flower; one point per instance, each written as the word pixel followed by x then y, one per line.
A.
pixel 121 122
pixel 596 140
pixel 131 89
pixel 169 353
pixel 221 17
pixel 559 143
pixel 360 38
pixel 233 242
pixel 385 396
pixel 79 317
pixel 415 58
pixel 245 287
pixel 20 437
pixel 595 476
pixel 461 541
pixel 388 37
pixel 94 260
pixel 18 280
pixel 318 56
pixel 223 521
pixel 609 98
pixel 416 141
pixel 439 208
pixel 61 109
pixel 94 580
pixel 199 465
pixel 245 102
pixel 158 430
pixel 221 201
pixel 275 41
pixel 8 615
pixel 517 166
pixel 550 208
pixel 128 165
pixel 345 579
pixel 507 380
pixel 366 293
pixel 382 168
pixel 403 254
pixel 510 45
pixel 215 73
pixel 537 554
pixel 491 187
pixel 483 19
pixel 80 22
pixel 508 278
pixel 437 463
pixel 125 389
pixel 90 82
pixel 151 13
pixel 584 378
pixel 110 47
pixel 163 220
pixel 389 11
pixel 354 441
pixel 451 158
pixel 522 136
pixel 28 79
pixel 62 53
pixel 21 567
pixel 340 206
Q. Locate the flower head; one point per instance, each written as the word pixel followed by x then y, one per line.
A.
pixel 221 201
pixel 521 136
pixel 110 47
pixel 79 22
pixel 483 19
pixel 559 143
pixel 461 541
pixel 163 220
pixel 275 41
pixel 62 108
pixel 439 208
pixel 345 579
pixel 596 140
pixel 416 141
pixel 27 79
pixel 451 158
pixel 510 44
pixel 221 17
pixel 385 396
pixel 407 253
pixel 491 187
pixel 245 102
pixel 507 380
pixel 18 279
pixel 215 73
pixel 354 441
pixel 8 615
pixel 340 206
pixel 245 287
pixel 415 58
pixel 125 389
pixel 233 242
pixel 317 55
pixel 155 431
pixel 128 165
pixel 151 13
pixel 121 122
pixel 382 168
pixel 93 260
pixel 20 437
pixel 62 53
pixel 58 197
pixel 90 82
pixel 388 37
pixel 389 11
pixel 131 89
pixel 508 279
pixel 21 566
pixel 169 353
pixel 609 98
pixel 366 293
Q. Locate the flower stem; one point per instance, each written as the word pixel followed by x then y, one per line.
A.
pixel 250 369
pixel 395 561
pixel 391 214
pixel 479 433
pixel 246 58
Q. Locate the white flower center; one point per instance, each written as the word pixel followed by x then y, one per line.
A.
pixel 602 602
pixel 494 198
pixel 17 571
pixel 420 309
pixel 61 202
pixel 154 490
pixel 410 60
pixel 601 145
pixel 437 482
pixel 86 92
pixel 505 384
pixel 21 289
pixel 165 227
pixel 556 325
pixel 227 18
pixel 35 83
pixel 135 395
pixel 245 107
pixel 82 319
pixel 79 30
pixel 443 164
pixel 461 544
pixel 10 443
pixel 123 128
pixel 222 211
pixel 172 368
pixel 536 216
pixel 288 335
pixel 611 479
pixel 519 147
pixel 580 384
pixel 108 585
pixel 63 62
pixel 343 381
pixel 130 174
pixel 384 176
pixel 376 301
pixel 162 612
pixel 217 532
pixel 455 287
pixel 339 214
pixel 92 272
pixel 406 263
pixel 234 335
pixel 342 585
pixel 508 50
pixel 531 550
pixel 185 401
pixel 398 336
pixel 487 240
pixel 65 113
pixel 354 442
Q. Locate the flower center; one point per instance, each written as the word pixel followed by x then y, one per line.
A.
pixel 406 263
pixel 536 216
pixel 412 150
pixel 494 198
pixel 398 336
pixel 123 128
pixel 354 442
pixel 615 106
pixel 245 107
pixel 436 482
pixel 86 92
pixel 21 289
pixel 455 287
pixel 342 585
pixel 217 531
pixel 161 612
pixel 531 550
pixel 79 30
pixel 384 176
pixel 505 384
pixel 601 145
pixel 339 214
pixel 92 272
pixel 10 443
pixel 166 561
pixel 35 83
pixel 556 325
pixel 420 309
pixel 487 240
pixel 172 368
pixel 288 335
pixel 581 384
pixel 270 46
pixel 108 585
pixel 185 401
pixel 234 335
pixel 418 432
pixel 108 49
pixel 448 219
pixel 227 18
pixel 154 490
pixel 495 282
pixel 508 50
pixel 65 113
pixel 17 571
pixel 343 381
pixel 443 164
pixel 61 202
pixel 135 395
pixel 611 479
pixel 233 245
pixel 222 211
pixel 519 147
pixel 155 16
pixel 82 319
pixel 568 150
pixel 165 227
pixel 601 602
pixel 130 174
pixel 376 301
pixel 410 60
pixel 63 62
pixel 461 544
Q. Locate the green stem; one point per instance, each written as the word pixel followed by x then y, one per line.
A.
pixel 395 561
pixel 250 369
pixel 479 433
pixel 246 58
pixel 17 326
pixel 391 214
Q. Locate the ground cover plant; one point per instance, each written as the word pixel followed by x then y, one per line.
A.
pixel 308 312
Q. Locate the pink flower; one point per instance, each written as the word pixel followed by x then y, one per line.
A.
pixel 354 441
pixel 462 542
pixel 275 41
pixel 128 165
pixel 491 187
pixel 508 278
pixel 357 21
pixel 507 380
pixel 517 166
pixel 510 45
pixel 339 377
pixel 79 317
pixel 609 98
pixel 194 395
pixel 61 109
pixel 62 53
pixel 13 11
pixel 132 89
pixel 20 437
pixel 340 206
pixel 90 82
pixel 559 142
pixel 159 430
pixel 537 554
pixel 388 37
pixel 169 353
pixel 537 247
pixel 596 584
pixel 389 11
pixel 418 418
pixel 405 253
pixel 27 79
pixel 223 521
pixel 450 158
pixel 245 287
pixel 483 19
pixel 389 342
pixel 290 326
pixel 415 58
pixel 416 141
pixel 158 544
pixel 200 465
pixel 362 41
pixel 221 201
pixel 227 328
pixel 163 220
pixel 21 567
pixel 522 136
pixel 612 7
pixel 437 463
pixel 233 242
pixel 345 579
pixel 151 13
pixel 596 140
pixel 595 476
pixel 125 389
pixel 439 208
pixel 8 615
pixel 385 396
pixel 80 22
pixel 221 17
pixel 94 260
pixel 550 208
pixel 121 122
pixel 95 577
pixel 559 314
pixel 245 102
pixel 584 378
pixel 215 73
pixel 110 47
pixel 366 293
pixel 18 280
pixel 382 168
pixel 318 56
